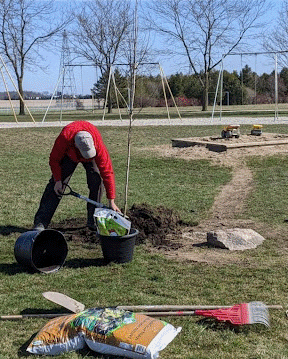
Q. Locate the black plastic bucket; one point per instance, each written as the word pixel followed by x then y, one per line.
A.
pixel 44 251
pixel 118 249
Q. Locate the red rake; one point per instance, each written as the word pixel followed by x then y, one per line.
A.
pixel 240 314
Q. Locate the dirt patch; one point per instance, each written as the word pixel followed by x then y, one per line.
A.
pixel 231 157
pixel 155 226
pixel 74 229
pixel 161 229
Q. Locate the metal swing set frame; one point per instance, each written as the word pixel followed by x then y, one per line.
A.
pixel 219 87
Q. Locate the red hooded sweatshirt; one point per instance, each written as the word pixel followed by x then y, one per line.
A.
pixel 64 145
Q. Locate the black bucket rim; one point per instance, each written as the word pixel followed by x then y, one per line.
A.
pixel 30 261
pixel 127 236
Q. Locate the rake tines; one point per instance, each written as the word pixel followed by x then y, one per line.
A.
pixel 258 313
pixel 244 313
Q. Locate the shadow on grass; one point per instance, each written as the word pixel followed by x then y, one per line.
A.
pixel 14 268
pixel 7 230
pixel 68 229
pixel 45 313
pixel 215 325
pixel 203 244
pixel 83 263
pixel 22 352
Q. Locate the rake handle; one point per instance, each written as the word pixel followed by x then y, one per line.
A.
pixel 180 308
pixel 178 313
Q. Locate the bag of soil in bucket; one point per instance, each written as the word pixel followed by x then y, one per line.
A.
pixel 116 236
pixel 111 223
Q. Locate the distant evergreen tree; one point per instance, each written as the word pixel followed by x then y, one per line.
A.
pixel 284 77
pixel 232 88
pixel 99 89
pixel 176 84
pixel 248 76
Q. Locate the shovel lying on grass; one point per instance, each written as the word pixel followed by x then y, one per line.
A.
pixel 240 314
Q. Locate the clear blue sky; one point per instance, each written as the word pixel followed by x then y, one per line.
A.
pixel 85 77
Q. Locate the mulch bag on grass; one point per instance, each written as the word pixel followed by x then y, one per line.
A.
pixel 109 331
pixel 58 336
pixel 120 332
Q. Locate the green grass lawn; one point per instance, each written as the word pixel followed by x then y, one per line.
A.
pixel 188 187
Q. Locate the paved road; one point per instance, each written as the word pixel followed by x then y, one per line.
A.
pixel 158 122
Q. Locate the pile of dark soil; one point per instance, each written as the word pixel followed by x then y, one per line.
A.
pixel 158 227
pixel 154 224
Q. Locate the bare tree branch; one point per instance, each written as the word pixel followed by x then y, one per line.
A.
pixel 277 39
pixel 27 26
pixel 206 30
pixel 101 31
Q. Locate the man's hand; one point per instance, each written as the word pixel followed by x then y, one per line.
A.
pixel 58 188
pixel 113 206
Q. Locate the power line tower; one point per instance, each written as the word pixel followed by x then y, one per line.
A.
pixel 67 85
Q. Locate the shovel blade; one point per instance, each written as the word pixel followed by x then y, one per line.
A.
pixel 64 301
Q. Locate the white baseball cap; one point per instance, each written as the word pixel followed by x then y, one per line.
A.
pixel 84 142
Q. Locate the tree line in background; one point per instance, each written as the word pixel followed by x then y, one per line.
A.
pixel 243 88
pixel 195 34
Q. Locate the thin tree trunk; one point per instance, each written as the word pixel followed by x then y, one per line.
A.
pixel 21 102
pixel 131 106
pixel 109 103
pixel 205 98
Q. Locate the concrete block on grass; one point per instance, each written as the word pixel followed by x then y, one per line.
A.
pixel 236 239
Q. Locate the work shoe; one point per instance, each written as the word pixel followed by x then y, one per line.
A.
pixel 39 227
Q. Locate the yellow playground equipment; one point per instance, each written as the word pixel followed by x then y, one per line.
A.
pixel 231 131
pixel 256 130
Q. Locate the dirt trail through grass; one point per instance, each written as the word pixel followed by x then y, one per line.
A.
pixel 230 202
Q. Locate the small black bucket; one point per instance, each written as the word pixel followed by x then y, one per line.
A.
pixel 44 251
pixel 118 249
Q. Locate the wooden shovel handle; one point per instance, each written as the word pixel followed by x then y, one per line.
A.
pixel 23 316
pixel 152 314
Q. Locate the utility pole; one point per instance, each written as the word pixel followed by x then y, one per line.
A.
pixel 67 85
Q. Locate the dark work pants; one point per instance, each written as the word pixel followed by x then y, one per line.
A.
pixel 50 201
